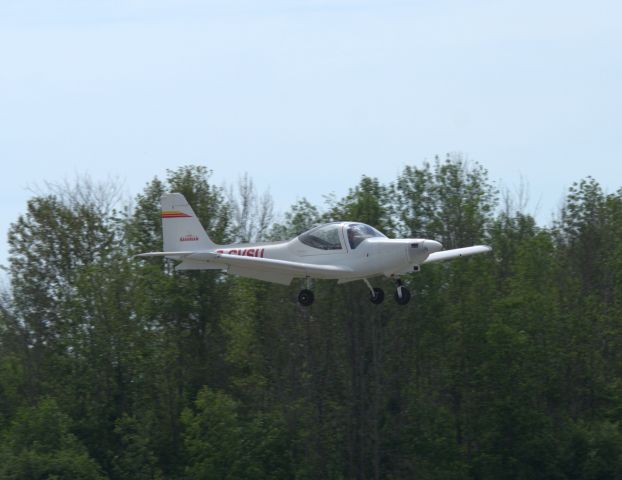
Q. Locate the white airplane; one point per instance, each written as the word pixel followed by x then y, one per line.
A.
pixel 342 251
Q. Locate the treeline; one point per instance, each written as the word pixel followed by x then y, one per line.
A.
pixel 504 366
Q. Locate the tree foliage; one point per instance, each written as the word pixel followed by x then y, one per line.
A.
pixel 505 365
pixel 38 444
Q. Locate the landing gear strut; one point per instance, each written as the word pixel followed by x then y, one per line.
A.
pixel 377 297
pixel 402 294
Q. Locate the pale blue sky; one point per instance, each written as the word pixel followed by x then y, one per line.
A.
pixel 306 96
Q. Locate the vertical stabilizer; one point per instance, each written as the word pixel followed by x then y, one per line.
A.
pixel 181 228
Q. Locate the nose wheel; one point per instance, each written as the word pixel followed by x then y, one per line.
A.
pixel 305 297
pixel 402 294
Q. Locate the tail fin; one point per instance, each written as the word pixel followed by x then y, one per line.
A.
pixel 181 228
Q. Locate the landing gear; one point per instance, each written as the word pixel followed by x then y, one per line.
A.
pixel 305 297
pixel 376 295
pixel 402 294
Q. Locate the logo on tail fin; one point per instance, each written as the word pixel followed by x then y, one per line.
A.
pixel 189 238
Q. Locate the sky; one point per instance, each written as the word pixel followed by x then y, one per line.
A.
pixel 306 96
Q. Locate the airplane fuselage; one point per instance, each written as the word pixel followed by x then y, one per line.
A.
pixel 372 257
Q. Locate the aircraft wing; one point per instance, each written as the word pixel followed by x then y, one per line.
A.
pixel 279 271
pixel 457 252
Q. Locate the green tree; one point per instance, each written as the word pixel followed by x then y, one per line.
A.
pixel 220 444
pixel 136 459
pixel 450 201
pixel 302 216
pixel 368 202
pixel 38 444
pixel 506 365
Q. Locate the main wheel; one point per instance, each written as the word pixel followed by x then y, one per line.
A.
pixel 377 297
pixel 305 297
pixel 402 295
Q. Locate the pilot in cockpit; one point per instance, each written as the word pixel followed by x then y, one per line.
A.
pixel 351 236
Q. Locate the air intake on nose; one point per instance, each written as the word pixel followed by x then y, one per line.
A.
pixel 414 245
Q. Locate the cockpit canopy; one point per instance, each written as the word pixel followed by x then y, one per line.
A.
pixel 327 236
pixel 357 232
pixel 324 237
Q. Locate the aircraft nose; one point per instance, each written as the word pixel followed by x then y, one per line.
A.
pixel 433 246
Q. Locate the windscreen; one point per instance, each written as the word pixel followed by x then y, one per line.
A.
pixel 357 232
